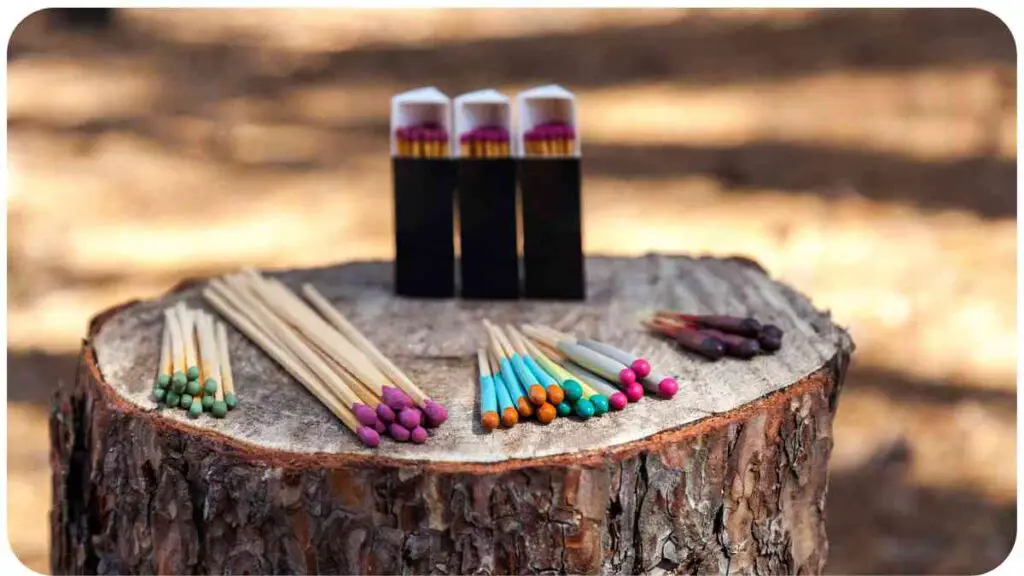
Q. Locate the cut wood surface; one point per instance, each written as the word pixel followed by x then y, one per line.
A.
pixel 729 476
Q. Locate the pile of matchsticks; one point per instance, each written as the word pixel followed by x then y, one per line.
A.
pixel 714 337
pixel 423 141
pixel 542 372
pixel 550 139
pixel 195 368
pixel 485 142
pixel 321 349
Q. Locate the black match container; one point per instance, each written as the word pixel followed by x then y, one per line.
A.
pixel 553 263
pixel 424 199
pixel 486 192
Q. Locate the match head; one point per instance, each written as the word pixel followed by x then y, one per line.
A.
pixel 210 386
pixel 195 410
pixel 538 395
pixel 750 326
pixel 617 401
pixel 490 420
pixel 172 399
pixel 640 367
pixel 369 437
pixel 584 408
pixel 193 373
pixel 185 401
pixel 364 414
pixel 748 348
pixel 573 391
pixel 525 408
pixel 193 388
pixel 418 435
pixel 563 409
pixel 436 414
pixel 207 402
pixel 385 413
pixel 600 404
pixel 509 417
pixel 546 413
pixel 395 398
pixel 555 394
pixel 179 380
pixel 770 337
pixel 159 394
pixel 380 427
pixel 667 388
pixel 713 348
pixel 163 381
pixel 230 401
pixel 627 377
pixel 634 392
pixel 398 432
pixel 410 417
pixel 220 409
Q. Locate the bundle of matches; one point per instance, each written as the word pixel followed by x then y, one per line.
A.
pixel 550 139
pixel 715 336
pixel 321 349
pixel 427 140
pixel 520 388
pixel 195 367
pixel 485 142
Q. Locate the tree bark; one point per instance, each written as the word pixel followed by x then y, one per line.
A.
pixel 736 490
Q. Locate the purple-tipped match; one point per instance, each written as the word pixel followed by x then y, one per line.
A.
pixel 385 413
pixel 364 414
pixel 640 367
pixel 667 388
pixel 418 435
pixel 410 417
pixel 399 432
pixel 634 392
pixel 435 413
pixel 380 427
pixel 369 436
pixel 395 398
pixel 627 377
pixel 617 401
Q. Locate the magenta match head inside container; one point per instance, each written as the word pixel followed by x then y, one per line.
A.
pixel 410 417
pixel 368 436
pixel 667 388
pixel 402 133
pixel 364 414
pixel 617 401
pixel 418 435
pixel 435 413
pixel 399 432
pixel 640 367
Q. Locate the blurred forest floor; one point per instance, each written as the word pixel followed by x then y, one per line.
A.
pixel 868 158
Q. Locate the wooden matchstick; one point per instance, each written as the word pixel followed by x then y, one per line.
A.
pixel 554 392
pixel 188 332
pixel 166 367
pixel 436 413
pixel 534 390
pixel 488 397
pixel 515 387
pixel 225 398
pixel 178 378
pixel 509 415
pixel 368 435
pixel 209 351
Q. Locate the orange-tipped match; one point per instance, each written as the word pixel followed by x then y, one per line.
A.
pixel 537 395
pixel 490 420
pixel 555 394
pixel 525 408
pixel 546 413
pixel 509 417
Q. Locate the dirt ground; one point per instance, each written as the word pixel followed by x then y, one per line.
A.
pixel 868 158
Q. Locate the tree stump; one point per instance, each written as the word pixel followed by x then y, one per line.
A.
pixel 728 476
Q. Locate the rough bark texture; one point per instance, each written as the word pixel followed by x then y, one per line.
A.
pixel 741 490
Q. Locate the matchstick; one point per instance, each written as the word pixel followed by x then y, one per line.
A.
pixel 598 363
pixel 509 415
pixel 225 398
pixel 187 319
pixel 535 392
pixel 436 413
pixel 689 339
pixel 735 345
pixel 165 369
pixel 748 327
pixel 367 435
pixel 210 364
pixel 508 374
pixel 178 379
pixel 554 392
pixel 488 398
pixel 616 399
pixel 599 401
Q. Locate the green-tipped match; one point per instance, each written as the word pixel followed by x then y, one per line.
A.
pixel 186 401
pixel 163 381
pixel 193 373
pixel 193 388
pixel 195 410
pixel 231 400
pixel 600 404
pixel 220 409
pixel 173 398
pixel 573 390
pixel 159 394
pixel 207 402
pixel 210 386
pixel 179 378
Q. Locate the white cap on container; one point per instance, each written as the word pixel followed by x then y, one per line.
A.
pixel 543 104
pixel 420 106
pixel 486 107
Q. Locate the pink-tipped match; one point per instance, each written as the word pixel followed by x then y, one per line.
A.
pixel 667 388
pixel 418 435
pixel 640 367
pixel 399 432
pixel 634 392
pixel 364 414
pixel 466 138
pixel 368 436
pixel 435 413
pixel 410 417
pixel 402 133
pixel 617 401
pixel 385 414
pixel 396 399
pixel 627 377
pixel 380 427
